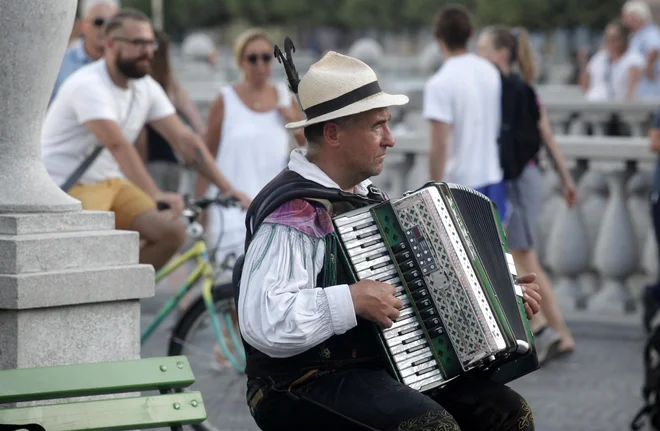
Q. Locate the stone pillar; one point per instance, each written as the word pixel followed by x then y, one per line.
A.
pixel 616 251
pixel 70 284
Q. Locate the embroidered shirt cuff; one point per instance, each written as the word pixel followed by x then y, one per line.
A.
pixel 341 308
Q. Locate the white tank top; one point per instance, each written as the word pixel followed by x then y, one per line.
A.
pixel 254 148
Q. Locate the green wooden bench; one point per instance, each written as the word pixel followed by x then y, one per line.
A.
pixel 133 411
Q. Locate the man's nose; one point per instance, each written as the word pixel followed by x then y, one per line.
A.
pixel 388 139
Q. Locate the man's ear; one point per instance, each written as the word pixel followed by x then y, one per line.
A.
pixel 331 134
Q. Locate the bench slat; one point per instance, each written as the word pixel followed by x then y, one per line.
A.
pixel 112 414
pixel 67 381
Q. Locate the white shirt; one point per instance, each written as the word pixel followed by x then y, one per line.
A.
pixel 609 81
pixel 644 41
pixel 89 94
pixel 253 149
pixel 466 93
pixel 283 312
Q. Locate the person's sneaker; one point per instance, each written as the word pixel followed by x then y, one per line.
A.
pixel 650 306
pixel 547 344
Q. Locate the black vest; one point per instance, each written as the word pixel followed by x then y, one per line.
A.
pixel 358 346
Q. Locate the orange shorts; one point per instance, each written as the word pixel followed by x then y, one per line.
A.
pixel 118 195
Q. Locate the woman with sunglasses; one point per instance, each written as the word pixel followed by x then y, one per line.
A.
pixel 246 134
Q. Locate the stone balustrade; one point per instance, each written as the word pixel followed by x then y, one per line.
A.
pixel 598 253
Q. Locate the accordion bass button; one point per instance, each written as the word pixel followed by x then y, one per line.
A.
pixel 413 274
pixel 403 256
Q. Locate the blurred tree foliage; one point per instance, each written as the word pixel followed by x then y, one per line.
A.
pixel 380 14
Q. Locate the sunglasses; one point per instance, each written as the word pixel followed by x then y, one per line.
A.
pixel 98 22
pixel 253 58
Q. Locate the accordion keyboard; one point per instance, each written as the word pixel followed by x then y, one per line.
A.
pixel 407 344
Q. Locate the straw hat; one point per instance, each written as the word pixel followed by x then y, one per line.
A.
pixel 338 85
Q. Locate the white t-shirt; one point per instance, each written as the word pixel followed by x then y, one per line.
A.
pixel 466 93
pixel 644 41
pixel 609 81
pixel 89 94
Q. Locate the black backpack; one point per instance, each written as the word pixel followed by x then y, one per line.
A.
pixel 651 388
pixel 520 136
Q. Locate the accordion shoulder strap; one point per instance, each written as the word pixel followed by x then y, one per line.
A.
pixel 288 186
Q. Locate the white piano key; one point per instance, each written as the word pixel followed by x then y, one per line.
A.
pixel 404 360
pixel 373 274
pixel 370 257
pixel 371 263
pixel 428 363
pixel 351 226
pixel 414 378
pixel 359 251
pixel 342 221
pixel 409 327
pixel 394 341
pixel 401 347
pixel 429 383
pixel 352 236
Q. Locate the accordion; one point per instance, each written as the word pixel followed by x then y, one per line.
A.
pixel 444 250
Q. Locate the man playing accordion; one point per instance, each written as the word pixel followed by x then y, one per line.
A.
pixel 313 361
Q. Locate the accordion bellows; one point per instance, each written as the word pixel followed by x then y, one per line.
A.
pixel 444 249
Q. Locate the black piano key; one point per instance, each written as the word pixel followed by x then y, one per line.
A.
pixel 363 225
pixel 380 265
pixel 372 242
pixel 432 367
pixel 399 247
pixel 410 340
pixel 408 330
pixel 416 348
pixel 376 256
pixel 408 265
pixel 422 361
pixel 367 234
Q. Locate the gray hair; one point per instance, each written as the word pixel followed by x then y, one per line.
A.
pixel 86 5
pixel 639 8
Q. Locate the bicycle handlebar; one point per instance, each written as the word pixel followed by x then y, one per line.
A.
pixel 195 206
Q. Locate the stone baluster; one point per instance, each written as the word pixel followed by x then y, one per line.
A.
pixel 551 193
pixel 567 252
pixel 592 202
pixel 635 121
pixel 616 251
pixel 638 207
pixel 70 285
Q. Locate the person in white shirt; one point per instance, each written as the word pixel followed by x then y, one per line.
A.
pixel 462 104
pixel 107 103
pixel 645 39
pixel 614 72
pixel 313 360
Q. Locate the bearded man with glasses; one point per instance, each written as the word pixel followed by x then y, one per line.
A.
pixel 89 48
pixel 105 105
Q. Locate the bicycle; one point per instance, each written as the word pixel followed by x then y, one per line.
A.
pixel 214 309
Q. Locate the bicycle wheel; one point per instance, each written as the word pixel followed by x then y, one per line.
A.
pixel 195 336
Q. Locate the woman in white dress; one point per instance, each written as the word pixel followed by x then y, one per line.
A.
pixel 247 136
pixel 613 73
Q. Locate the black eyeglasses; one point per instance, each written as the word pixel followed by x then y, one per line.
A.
pixel 139 43
pixel 253 58
pixel 98 22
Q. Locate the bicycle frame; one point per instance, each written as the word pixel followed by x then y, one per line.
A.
pixel 203 269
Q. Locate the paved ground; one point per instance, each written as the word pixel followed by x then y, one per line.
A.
pixel 595 389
